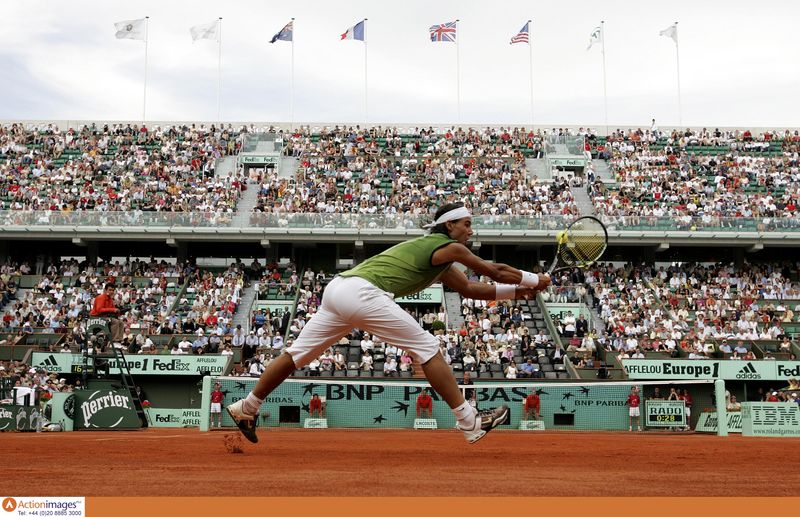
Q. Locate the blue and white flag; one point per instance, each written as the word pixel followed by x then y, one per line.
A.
pixel 285 34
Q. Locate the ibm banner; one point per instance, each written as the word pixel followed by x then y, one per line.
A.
pixel 770 419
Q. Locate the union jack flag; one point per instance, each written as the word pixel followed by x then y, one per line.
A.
pixel 522 35
pixel 444 32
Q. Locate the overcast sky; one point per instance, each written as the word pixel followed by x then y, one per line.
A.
pixel 738 62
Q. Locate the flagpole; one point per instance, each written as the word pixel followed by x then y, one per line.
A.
pixel 678 64
pixel 530 63
pixel 144 95
pixel 603 48
pixel 366 105
pixel 219 74
pixel 291 85
pixel 458 74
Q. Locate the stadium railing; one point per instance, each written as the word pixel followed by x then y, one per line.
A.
pixel 49 221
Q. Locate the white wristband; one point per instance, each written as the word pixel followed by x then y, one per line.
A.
pixel 529 279
pixel 504 291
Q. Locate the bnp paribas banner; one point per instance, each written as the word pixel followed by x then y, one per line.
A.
pixel 641 369
pixel 393 405
pixel 137 364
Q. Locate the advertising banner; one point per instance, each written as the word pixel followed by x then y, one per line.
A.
pixel 770 419
pixel 18 418
pixel 138 364
pixel 707 422
pixel 169 417
pixel 641 369
pixel 105 408
pixel 432 294
pixel 665 413
pixel 374 405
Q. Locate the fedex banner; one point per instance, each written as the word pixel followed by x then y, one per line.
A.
pixel 137 364
pixel 728 370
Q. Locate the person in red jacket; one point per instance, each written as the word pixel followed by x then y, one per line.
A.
pixel 424 404
pixel 633 408
pixel 315 408
pixel 532 406
pixel 104 307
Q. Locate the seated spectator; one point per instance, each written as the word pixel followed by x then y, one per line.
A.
pixel 405 363
pixel 326 362
pixel 390 367
pixel 339 360
pixel 511 370
pixel 733 404
pixel 469 362
pixel 366 362
pixel 314 367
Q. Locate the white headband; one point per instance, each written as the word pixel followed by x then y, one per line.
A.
pixel 456 213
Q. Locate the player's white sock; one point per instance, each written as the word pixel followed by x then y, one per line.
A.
pixel 252 404
pixel 465 414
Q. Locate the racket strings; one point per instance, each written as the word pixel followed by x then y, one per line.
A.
pixel 583 246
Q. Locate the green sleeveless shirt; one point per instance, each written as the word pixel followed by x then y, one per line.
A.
pixel 404 268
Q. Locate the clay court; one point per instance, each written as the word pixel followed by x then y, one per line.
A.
pixel 186 462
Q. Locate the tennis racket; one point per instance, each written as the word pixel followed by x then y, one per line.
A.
pixel 580 245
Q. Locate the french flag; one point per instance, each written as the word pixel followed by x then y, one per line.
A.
pixel 355 32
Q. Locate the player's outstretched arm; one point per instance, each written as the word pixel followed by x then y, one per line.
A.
pixel 458 281
pixel 528 284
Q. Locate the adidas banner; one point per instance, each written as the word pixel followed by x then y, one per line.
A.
pixel 137 364
pixel 642 369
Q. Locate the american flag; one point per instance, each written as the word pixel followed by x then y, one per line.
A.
pixel 522 35
pixel 444 32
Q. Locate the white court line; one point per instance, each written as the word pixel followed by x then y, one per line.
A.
pixel 138 437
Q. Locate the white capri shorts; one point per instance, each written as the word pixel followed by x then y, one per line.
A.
pixel 351 302
pixel 634 411
pixel 216 407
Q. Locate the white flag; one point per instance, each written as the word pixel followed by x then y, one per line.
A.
pixel 205 31
pixel 131 29
pixel 671 32
pixel 595 37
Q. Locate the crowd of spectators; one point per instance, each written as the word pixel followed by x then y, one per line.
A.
pixel 694 310
pixel 61 299
pixel 37 381
pixel 352 171
pixel 701 178
pixel 119 167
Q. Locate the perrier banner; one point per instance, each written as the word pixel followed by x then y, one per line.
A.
pixel 105 407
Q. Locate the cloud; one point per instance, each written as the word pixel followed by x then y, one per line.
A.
pixel 66 64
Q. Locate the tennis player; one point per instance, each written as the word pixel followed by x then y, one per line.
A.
pixel 363 298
